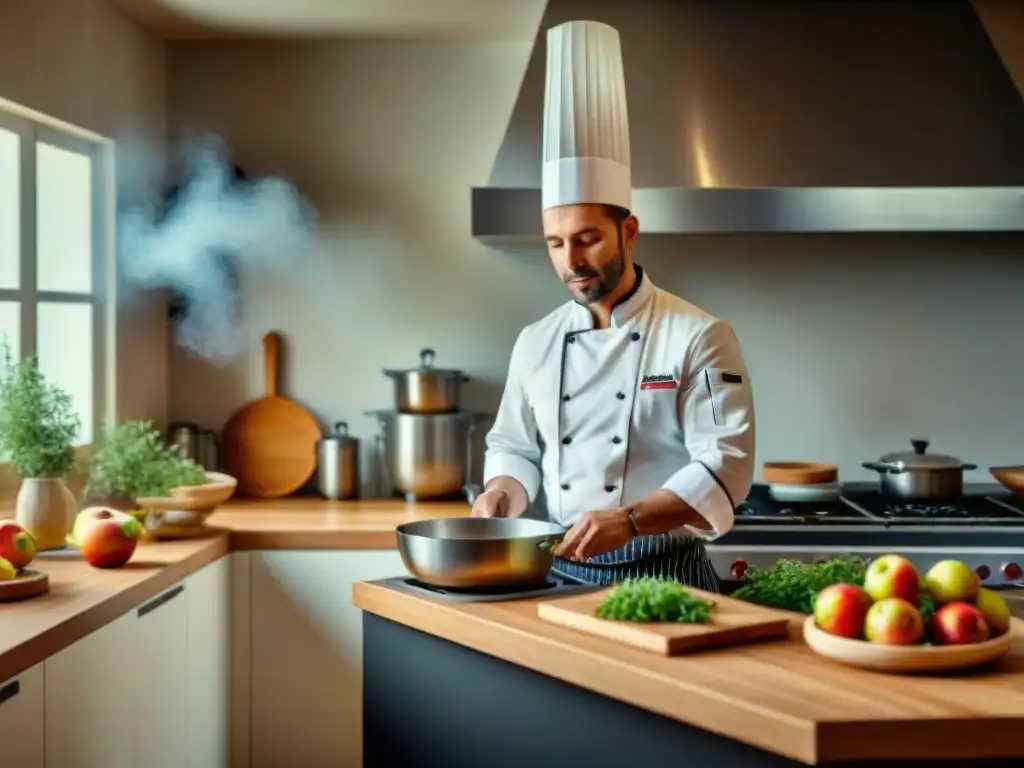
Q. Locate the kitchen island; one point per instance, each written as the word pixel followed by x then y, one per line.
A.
pixel 469 684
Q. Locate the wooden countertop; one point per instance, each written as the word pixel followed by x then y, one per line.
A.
pixel 312 523
pixel 778 695
pixel 82 598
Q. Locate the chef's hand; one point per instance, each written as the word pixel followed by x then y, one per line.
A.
pixel 596 533
pixel 492 503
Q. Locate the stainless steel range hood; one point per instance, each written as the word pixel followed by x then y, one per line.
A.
pixel 775 116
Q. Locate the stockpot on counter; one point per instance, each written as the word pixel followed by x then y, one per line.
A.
pixel 919 476
pixel 427 389
pixel 425 456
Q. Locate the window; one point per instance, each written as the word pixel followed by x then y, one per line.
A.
pixel 56 243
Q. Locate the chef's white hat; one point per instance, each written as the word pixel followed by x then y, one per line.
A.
pixel 586 130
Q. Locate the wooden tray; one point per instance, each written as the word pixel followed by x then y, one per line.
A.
pixel 732 622
pixel 30 583
pixel 908 659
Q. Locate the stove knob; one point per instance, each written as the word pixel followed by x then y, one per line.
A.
pixel 983 572
pixel 738 569
pixel 1011 571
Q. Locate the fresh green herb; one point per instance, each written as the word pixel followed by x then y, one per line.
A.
pixel 133 461
pixel 650 599
pixel 926 607
pixel 38 423
pixel 792 585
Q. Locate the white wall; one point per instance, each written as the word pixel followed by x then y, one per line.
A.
pixel 84 62
pixel 855 343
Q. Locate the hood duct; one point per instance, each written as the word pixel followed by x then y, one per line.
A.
pixel 780 116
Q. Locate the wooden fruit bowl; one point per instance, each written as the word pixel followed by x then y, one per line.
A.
pixel 183 511
pixel 1011 477
pixel 908 659
pixel 28 583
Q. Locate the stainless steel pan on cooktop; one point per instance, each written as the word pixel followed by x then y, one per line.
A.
pixel 479 552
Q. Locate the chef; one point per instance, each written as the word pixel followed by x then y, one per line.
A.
pixel 629 409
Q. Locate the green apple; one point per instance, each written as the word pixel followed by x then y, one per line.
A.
pixel 951 581
pixel 995 610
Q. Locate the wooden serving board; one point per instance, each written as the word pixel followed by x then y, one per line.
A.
pixel 732 622
pixel 30 583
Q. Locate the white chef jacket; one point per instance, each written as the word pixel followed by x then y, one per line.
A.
pixel 601 418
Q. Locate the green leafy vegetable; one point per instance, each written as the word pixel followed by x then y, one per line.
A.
pixel 792 585
pixel 38 423
pixel 133 461
pixel 650 599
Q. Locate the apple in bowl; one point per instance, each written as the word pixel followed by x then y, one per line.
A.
pixel 17 546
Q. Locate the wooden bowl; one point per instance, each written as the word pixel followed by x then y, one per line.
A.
pixel 194 498
pixel 1011 477
pixel 183 511
pixel 908 659
pixel 28 583
pixel 799 472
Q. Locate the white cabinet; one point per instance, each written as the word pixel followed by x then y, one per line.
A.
pixel 307 655
pixel 207 603
pixel 21 719
pixel 160 696
pixel 90 692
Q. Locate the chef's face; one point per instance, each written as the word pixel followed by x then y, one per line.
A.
pixel 590 248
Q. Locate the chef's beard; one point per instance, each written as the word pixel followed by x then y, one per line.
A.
pixel 608 278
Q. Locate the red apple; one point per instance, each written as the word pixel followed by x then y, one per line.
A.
pixel 958 624
pixel 893 576
pixel 106 537
pixel 17 546
pixel 841 610
pixel 893 621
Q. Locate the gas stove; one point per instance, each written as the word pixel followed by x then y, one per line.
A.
pixel 557 585
pixel 984 528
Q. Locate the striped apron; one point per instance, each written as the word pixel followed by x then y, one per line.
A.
pixel 681 558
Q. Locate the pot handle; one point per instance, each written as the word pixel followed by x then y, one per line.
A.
pixel 427 357
pixel 969 466
pixel 551 544
pixel 883 467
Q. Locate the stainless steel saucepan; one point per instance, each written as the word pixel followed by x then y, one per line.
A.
pixel 479 552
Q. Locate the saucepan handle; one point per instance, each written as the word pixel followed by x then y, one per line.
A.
pixel 551 544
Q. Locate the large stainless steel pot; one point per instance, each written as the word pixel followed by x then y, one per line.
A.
pixel 479 552
pixel 919 476
pixel 427 389
pixel 426 455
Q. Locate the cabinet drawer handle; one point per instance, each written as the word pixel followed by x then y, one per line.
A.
pixel 156 602
pixel 9 691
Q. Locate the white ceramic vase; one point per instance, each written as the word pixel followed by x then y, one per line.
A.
pixel 47 510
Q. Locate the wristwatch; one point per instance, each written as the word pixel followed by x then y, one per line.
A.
pixel 632 522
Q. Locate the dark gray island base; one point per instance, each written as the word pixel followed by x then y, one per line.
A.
pixel 430 702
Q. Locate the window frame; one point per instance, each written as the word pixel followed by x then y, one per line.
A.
pixel 33 127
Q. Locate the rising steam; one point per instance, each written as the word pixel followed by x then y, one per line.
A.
pixel 214 220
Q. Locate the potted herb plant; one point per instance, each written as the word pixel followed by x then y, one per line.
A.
pixel 131 461
pixel 38 427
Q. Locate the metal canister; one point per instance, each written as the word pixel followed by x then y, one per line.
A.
pixel 337 459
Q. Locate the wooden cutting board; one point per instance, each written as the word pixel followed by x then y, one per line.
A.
pixel 732 622
pixel 270 443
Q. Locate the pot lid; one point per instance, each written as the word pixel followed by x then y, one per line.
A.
pixel 340 433
pixel 426 366
pixel 918 459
